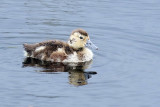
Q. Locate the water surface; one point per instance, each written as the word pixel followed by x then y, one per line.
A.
pixel 125 70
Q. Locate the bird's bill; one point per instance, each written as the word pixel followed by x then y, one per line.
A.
pixel 90 44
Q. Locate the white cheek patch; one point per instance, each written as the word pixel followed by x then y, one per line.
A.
pixel 40 48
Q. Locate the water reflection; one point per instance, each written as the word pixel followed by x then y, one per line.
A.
pixel 77 75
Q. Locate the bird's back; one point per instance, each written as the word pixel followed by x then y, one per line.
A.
pixel 49 50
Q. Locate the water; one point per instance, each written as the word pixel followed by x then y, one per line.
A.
pixel 124 73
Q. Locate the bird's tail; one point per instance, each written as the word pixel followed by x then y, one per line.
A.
pixel 27 50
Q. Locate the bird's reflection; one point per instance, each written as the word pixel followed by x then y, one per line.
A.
pixel 77 75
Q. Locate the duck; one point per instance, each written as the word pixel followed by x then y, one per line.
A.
pixel 74 50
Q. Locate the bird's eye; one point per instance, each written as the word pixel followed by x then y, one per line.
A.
pixel 81 37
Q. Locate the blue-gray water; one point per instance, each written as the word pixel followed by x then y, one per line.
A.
pixel 127 63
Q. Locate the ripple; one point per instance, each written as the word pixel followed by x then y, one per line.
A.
pixel 43 96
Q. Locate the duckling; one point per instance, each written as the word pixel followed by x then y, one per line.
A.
pixel 74 50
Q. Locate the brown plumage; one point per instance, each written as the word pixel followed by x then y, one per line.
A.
pixel 81 31
pixel 50 51
pixel 59 51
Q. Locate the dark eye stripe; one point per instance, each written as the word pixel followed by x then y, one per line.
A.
pixel 81 37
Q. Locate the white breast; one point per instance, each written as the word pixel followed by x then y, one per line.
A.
pixel 72 58
pixel 87 56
